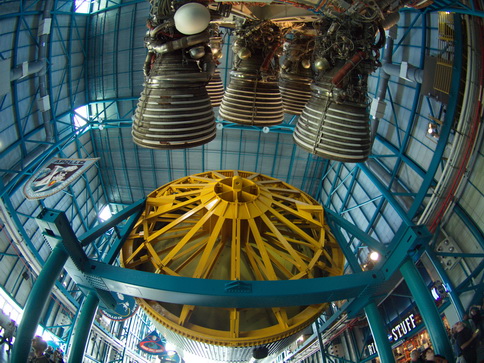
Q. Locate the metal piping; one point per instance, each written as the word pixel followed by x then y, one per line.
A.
pixel 185 42
pixel 404 70
pixel 26 69
pixel 378 104
pixel 467 128
pixel 387 59
pixel 40 68
pixel 42 56
pixel 378 109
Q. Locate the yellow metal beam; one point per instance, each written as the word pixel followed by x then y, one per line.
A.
pixel 207 252
pixel 233 225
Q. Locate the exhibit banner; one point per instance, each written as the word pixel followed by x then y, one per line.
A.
pixel 153 343
pixel 55 176
pixel 125 308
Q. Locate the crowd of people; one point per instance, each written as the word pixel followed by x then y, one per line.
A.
pixel 468 337
pixel 41 352
pixel 467 340
pixel 8 332
pixel 428 355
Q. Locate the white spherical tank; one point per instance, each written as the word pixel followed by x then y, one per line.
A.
pixel 192 18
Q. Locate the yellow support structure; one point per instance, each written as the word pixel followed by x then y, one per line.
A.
pixel 239 226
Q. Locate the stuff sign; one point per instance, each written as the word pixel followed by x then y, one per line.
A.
pixel 398 331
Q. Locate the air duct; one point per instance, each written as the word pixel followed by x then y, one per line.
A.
pixel 253 96
pixel 295 77
pixel 174 110
pixel 335 122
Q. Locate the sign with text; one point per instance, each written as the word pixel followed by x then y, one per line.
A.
pixel 397 332
pixel 125 308
pixel 153 344
pixel 55 176
pixel 403 328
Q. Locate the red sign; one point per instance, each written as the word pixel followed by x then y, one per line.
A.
pixel 153 343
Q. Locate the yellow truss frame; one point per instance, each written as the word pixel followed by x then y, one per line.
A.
pixel 232 225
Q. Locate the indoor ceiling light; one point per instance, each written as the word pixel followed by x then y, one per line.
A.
pixel 374 256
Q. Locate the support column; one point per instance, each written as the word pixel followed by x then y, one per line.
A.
pixel 379 332
pixel 428 310
pixel 82 327
pixel 320 341
pixel 349 345
pixel 36 302
pixel 454 297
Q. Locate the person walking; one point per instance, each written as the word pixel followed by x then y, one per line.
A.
pixel 466 341
pixel 415 356
pixel 8 333
pixel 39 346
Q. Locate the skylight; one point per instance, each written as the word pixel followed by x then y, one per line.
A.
pixel 105 213
pixel 82 6
pixel 80 117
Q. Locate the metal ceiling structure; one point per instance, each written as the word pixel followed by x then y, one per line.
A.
pixel 75 79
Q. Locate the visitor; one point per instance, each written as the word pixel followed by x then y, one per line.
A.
pixel 466 341
pixel 39 346
pixel 415 356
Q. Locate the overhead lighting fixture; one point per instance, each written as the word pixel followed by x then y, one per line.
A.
pixel 82 6
pixel 438 290
pixel 433 130
pixel 374 256
pixel 80 117
pixel 105 213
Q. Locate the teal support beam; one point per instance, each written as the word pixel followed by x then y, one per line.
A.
pixel 83 327
pixel 447 126
pixel 453 295
pixel 100 229
pixel 36 302
pixel 320 341
pixel 356 232
pixel 386 193
pixel 470 223
pixel 380 334
pixel 428 310
pixel 351 259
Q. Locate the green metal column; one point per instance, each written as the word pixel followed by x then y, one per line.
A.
pixel 83 327
pixel 36 302
pixel 453 295
pixel 379 332
pixel 320 341
pixel 428 310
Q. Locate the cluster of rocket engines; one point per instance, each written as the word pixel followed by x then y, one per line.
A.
pixel 315 70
